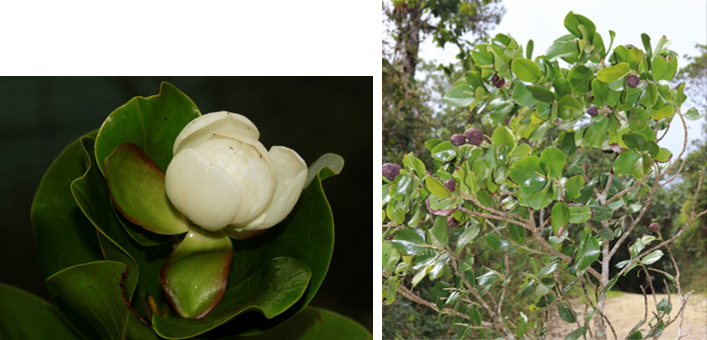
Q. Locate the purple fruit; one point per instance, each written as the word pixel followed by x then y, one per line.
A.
pixel 458 139
pixel 654 227
pixel 390 170
pixel 450 184
pixel 632 81
pixel 498 82
pixel 593 111
pixel 474 136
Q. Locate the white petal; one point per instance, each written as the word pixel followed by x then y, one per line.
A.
pixel 291 173
pixel 204 193
pixel 202 128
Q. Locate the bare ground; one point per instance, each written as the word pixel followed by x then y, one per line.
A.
pixel 626 311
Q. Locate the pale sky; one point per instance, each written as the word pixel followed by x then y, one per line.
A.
pixel 682 22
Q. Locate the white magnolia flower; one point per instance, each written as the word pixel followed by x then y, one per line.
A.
pixel 221 176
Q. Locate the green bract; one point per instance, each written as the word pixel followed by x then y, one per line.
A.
pixel 122 262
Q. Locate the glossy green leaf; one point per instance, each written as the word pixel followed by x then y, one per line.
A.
pixel 547 270
pixel 567 50
pixel 541 198
pixel 151 123
pixel 436 187
pixel 664 69
pixel 94 291
pixel 636 141
pixel 526 70
pixel 613 73
pixel 573 186
pixel 327 165
pixel 566 313
pixel 487 278
pixel 562 87
pixel 467 235
pixel 137 187
pixel 576 334
pixel 26 316
pixel 638 119
pixel 649 96
pixel 573 21
pixel 270 291
pixel 542 94
pixel 554 160
pixel 528 174
pixel 444 152
pixel 517 233
pixel 414 164
pixel 579 214
pixel 474 316
pixel 502 135
pixel 664 155
pixel 459 96
pixel 402 185
pixel 560 216
pixel 665 111
pixel 588 252
pixel 624 163
pixel 652 257
pixel 497 242
pixel 606 234
pixel 209 254
pixel 520 152
pixel 315 323
pixel 692 114
pixel 408 241
pixel 568 107
pixel 439 231
pixel 522 96
pixel 580 77
pixel 596 132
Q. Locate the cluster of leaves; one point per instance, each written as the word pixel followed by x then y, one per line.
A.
pixel 545 119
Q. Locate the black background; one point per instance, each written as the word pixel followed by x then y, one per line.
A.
pixel 41 116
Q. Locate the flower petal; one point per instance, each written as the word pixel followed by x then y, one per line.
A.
pixel 195 275
pixel 137 187
pixel 291 174
pixel 205 193
pixel 202 128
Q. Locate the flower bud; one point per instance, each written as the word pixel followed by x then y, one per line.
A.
pixel 450 184
pixel 452 222
pixel 390 170
pixel 474 136
pixel 632 81
pixel 654 227
pixel 593 111
pixel 458 139
pixel 498 82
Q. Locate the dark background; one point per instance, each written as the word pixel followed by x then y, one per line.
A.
pixel 41 116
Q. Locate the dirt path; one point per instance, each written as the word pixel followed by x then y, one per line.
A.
pixel 627 310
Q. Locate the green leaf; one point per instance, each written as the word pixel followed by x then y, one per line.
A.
pixel 137 187
pixel 439 231
pixel 588 251
pixel 414 164
pixel 327 165
pixel 547 270
pixel 315 323
pixel 26 316
pixel 560 216
pixel 444 152
pixel 562 87
pixel 208 254
pixel 270 291
pixel 528 174
pixel 652 257
pixel 665 111
pixel 526 70
pixel 576 333
pixel 567 50
pixel 572 187
pixel 569 108
pixel 502 135
pixel 649 96
pixel 151 123
pixel 566 313
pixel 469 234
pixel 542 94
pixel 487 278
pixel 606 234
pixel 554 160
pixel 436 187
pixel 664 69
pixel 517 233
pixel 408 241
pixel 474 316
pixel 580 77
pixel 94 291
pixel 692 114
pixel 625 162
pixel 596 132
pixel 459 96
pixel 497 242
pixel 613 73
pixel 522 96
pixel 638 118
pixel 572 23
pixel 579 214
pixel 664 155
